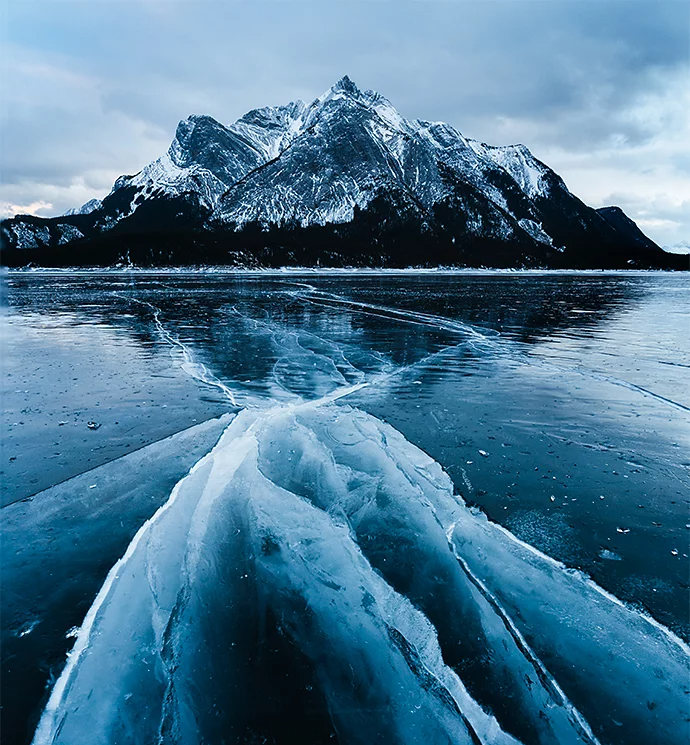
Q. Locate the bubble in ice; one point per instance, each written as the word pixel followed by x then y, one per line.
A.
pixel 609 555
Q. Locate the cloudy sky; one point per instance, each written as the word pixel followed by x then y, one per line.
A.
pixel 598 89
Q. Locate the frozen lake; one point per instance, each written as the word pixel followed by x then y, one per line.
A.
pixel 377 508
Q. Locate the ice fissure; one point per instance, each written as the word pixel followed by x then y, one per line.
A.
pixel 316 576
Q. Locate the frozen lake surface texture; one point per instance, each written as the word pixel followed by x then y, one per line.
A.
pixel 345 508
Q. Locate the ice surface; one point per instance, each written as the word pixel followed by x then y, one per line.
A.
pixel 590 640
pixel 226 525
pixel 316 570
pixel 62 370
pixel 388 584
pixel 58 546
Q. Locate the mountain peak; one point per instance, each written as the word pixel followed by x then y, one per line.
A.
pixel 193 127
pixel 350 157
pixel 343 89
pixel 346 91
pixel 346 85
pixel 274 117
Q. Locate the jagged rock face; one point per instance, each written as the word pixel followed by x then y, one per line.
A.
pixel 301 166
pixel 207 158
pixel 351 147
pixel 333 165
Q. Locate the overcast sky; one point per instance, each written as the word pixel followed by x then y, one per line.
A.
pixel 597 89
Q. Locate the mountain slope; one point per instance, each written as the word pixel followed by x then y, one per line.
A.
pixel 343 180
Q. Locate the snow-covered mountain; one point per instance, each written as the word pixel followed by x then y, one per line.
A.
pixel 343 180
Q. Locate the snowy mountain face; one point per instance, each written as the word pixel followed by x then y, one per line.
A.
pixel 85 209
pixel 348 159
pixel 350 147
pixel 207 158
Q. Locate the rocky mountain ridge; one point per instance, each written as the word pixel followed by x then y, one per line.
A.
pixel 345 180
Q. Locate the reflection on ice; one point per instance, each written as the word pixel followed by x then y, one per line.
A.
pixel 409 618
pixel 316 578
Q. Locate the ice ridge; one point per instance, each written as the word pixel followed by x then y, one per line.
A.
pixel 326 518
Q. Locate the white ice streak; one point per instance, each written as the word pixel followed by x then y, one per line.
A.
pixel 399 506
pixel 109 673
pixel 477 335
pixel 303 485
pixel 118 689
pixel 190 365
pixel 306 365
pixel 590 638
pixel 355 540
pixel 408 316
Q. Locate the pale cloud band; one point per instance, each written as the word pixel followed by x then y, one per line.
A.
pixel 8 210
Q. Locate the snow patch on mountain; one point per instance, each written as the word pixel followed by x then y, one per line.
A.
pixel 164 176
pixel 68 233
pixel 271 129
pixel 29 235
pixel 324 162
pixel 348 145
pixel 519 162
pixel 207 158
pixel 536 231
pixel 86 208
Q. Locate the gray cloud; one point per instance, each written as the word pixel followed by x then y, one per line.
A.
pixel 95 89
